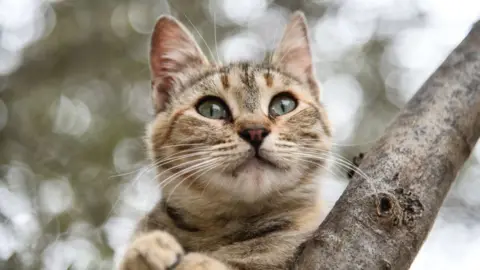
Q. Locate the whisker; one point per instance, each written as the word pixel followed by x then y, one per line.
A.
pixel 342 145
pixel 203 170
pixel 339 159
pixel 127 173
pixel 181 165
pixel 169 159
pixel 181 144
pixel 182 172
pixel 198 32
pixel 210 180
pixel 124 189
pixel 215 36
pixel 343 163
pixel 176 157
pixel 169 179
pixel 321 165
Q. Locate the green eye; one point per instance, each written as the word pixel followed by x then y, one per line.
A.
pixel 212 107
pixel 282 104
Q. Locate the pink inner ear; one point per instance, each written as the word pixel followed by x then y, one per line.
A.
pixel 174 53
pixel 293 53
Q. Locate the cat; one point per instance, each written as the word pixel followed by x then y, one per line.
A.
pixel 237 148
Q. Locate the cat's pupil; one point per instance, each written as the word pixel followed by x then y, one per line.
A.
pixel 212 108
pixel 282 104
pixel 215 110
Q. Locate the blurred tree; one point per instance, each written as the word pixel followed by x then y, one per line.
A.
pixel 74 98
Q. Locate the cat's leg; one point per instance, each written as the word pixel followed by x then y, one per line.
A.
pixel 159 250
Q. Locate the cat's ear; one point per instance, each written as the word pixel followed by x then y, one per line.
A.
pixel 173 53
pixel 293 53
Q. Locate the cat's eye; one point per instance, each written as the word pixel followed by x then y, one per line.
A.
pixel 282 104
pixel 213 107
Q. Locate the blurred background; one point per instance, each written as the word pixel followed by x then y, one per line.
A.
pixel 74 98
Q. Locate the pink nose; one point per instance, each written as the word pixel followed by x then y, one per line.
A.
pixel 254 136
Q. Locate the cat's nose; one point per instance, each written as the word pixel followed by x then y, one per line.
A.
pixel 254 136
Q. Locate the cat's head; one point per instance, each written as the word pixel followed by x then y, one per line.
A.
pixel 245 129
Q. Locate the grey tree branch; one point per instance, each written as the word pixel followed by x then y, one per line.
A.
pixel 381 223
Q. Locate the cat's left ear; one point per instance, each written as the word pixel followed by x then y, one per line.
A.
pixel 174 55
pixel 293 53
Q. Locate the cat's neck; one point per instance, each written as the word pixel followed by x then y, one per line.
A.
pixel 217 203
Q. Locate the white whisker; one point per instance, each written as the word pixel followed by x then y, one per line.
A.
pixel 198 32
pixel 215 37
pixel 204 170
pixel 169 179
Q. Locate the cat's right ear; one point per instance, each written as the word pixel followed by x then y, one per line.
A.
pixel 173 53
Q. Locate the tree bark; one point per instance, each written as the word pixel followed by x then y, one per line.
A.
pixel 381 222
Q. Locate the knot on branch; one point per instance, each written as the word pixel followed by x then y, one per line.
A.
pixel 388 208
pixel 399 207
pixel 411 205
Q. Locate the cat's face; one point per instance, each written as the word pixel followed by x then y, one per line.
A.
pixel 245 129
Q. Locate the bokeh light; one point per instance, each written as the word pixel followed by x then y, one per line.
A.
pixel 74 99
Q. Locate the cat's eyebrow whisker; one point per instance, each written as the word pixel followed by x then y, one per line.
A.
pixel 215 36
pixel 198 32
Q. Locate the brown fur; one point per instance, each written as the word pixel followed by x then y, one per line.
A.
pixel 224 209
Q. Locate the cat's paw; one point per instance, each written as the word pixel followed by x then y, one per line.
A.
pixel 153 251
pixel 198 261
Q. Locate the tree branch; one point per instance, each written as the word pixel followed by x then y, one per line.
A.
pixel 381 223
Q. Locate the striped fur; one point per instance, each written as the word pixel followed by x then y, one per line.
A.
pixel 224 210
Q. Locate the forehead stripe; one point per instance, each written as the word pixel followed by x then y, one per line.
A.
pixel 225 81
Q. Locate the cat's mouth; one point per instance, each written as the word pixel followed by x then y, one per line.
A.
pixel 264 161
pixel 255 162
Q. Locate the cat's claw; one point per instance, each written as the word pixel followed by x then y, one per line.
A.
pixel 153 251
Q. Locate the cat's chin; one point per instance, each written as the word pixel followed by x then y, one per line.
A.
pixel 255 163
pixel 252 180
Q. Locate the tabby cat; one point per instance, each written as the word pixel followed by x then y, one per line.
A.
pixel 237 148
